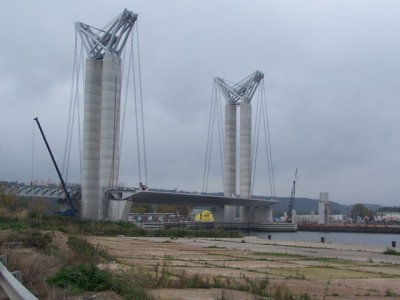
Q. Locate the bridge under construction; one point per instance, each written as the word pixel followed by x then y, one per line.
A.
pixel 101 197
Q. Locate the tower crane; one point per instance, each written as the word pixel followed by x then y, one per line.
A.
pixel 292 196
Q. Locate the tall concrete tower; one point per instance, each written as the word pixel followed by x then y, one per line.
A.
pixel 239 94
pixel 323 208
pixel 101 125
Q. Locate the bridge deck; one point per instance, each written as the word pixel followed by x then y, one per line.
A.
pixel 193 199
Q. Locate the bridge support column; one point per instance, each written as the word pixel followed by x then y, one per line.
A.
pixel 230 161
pixel 262 214
pixel 229 214
pixel 246 213
pixel 245 150
pixel 110 127
pixel 91 139
pixel 218 212
pixel 118 210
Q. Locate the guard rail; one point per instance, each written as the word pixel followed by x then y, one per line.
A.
pixel 11 286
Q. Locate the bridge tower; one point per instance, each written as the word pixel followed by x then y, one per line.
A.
pixel 101 125
pixel 238 95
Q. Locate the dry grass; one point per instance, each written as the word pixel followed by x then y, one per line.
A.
pixel 38 263
pixel 35 267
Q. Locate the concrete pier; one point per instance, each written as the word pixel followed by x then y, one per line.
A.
pixel 230 155
pixel 91 139
pixel 110 128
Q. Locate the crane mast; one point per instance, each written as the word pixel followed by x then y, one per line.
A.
pixel 291 201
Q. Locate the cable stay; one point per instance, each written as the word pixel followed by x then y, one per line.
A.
pixel 74 108
pixel 134 80
pixel 215 113
pixel 262 126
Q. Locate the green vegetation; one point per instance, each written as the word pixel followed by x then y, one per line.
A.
pixel 38 239
pixel 82 272
pixel 86 252
pixel 390 293
pixel 390 251
pixel 389 209
pixel 361 210
pixel 80 277
pixel 276 254
pixel 106 228
pixel 22 214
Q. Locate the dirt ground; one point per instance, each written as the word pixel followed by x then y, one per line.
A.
pixel 323 271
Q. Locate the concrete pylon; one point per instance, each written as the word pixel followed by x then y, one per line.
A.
pixel 101 125
pixel 110 128
pixel 238 95
pixel 245 158
pixel 230 160
pixel 91 139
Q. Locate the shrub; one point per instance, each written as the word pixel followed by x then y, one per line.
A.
pixel 306 296
pixel 390 293
pixel 390 251
pixel 38 240
pixel 80 277
pixel 258 286
pixel 282 292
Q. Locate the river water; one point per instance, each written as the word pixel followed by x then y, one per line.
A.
pixel 373 239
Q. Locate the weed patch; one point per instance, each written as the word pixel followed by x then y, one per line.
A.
pixel 38 240
pixel 79 278
pixel 85 252
pixel 390 293
pixel 390 251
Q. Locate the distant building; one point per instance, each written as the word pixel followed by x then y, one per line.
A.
pixel 388 217
pixel 313 218
pixel 323 208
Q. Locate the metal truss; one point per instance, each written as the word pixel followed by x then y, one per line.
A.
pixel 241 92
pixel 111 39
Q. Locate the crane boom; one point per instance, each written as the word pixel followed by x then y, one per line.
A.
pixel 292 196
pixel 72 211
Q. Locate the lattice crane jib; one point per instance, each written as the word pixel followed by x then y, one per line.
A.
pixel 111 39
pixel 241 92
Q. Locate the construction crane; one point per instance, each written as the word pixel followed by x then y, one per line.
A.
pixel 72 211
pixel 291 201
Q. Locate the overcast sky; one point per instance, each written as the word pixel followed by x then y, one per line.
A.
pixel 332 71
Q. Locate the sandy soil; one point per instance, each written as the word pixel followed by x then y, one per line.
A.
pixel 323 271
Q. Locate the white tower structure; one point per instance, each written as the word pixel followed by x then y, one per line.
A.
pixel 323 208
pixel 239 94
pixel 101 126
